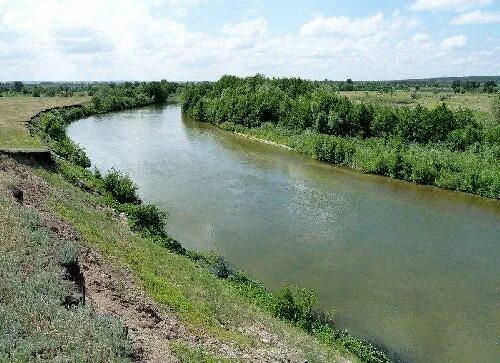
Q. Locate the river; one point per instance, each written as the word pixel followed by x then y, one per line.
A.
pixel 414 268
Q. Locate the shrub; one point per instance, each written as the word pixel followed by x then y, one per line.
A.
pixel 295 305
pixel 121 187
pixel 148 219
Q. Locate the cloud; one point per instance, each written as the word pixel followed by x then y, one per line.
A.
pixel 129 39
pixel 455 42
pixel 477 17
pixel 455 5
pixel 357 27
pixel 251 28
pixel 420 38
pixel 80 40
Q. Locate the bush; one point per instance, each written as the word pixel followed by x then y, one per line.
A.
pixel 147 219
pixel 295 305
pixel 121 187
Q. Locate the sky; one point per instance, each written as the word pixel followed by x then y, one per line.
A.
pixel 193 40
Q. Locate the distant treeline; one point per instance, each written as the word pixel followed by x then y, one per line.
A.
pixel 486 84
pixel 438 146
pixel 69 89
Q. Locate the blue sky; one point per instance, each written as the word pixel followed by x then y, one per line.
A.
pixel 204 39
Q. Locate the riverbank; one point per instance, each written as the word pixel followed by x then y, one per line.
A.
pixel 192 313
pixel 449 148
pixel 416 164
pixel 349 236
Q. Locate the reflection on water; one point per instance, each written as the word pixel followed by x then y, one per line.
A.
pixel 413 267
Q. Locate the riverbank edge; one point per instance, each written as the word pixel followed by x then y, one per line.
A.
pixel 269 139
pixel 351 344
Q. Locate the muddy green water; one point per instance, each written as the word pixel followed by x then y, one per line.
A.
pixel 415 268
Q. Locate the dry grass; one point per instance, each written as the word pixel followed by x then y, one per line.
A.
pixel 15 110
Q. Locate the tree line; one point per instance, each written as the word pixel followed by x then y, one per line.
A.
pixel 69 89
pixel 430 146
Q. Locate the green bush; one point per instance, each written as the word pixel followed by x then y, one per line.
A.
pixel 147 219
pixel 121 187
pixel 295 305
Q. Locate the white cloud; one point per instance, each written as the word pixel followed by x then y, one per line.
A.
pixel 455 42
pixel 456 5
pixel 342 25
pixel 251 28
pixel 128 39
pixel 420 38
pixel 477 17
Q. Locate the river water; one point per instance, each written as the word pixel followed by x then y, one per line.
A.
pixel 412 267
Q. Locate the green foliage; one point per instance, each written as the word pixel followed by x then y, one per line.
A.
pixel 147 219
pixel 434 146
pixel 295 305
pixel 254 101
pixel 188 354
pixel 495 104
pixel 159 91
pixel 52 126
pixel 121 187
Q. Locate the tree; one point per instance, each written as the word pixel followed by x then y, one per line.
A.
pixel 349 85
pixel 157 92
pixel 456 85
pixel 489 86
pixel 18 86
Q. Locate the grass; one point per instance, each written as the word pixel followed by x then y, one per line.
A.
pixel 208 306
pixel 35 324
pixel 187 354
pixel 16 110
pixel 479 103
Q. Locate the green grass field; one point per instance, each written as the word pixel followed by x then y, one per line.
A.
pixel 479 103
pixel 16 110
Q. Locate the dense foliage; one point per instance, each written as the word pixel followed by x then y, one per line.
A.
pixel 437 146
pixel 121 187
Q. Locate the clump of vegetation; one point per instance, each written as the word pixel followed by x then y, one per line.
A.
pixel 147 219
pixel 298 306
pixel 496 106
pixel 52 126
pixel 188 354
pixel 35 324
pixel 121 187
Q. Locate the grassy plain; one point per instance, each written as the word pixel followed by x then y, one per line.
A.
pixel 479 103
pixel 16 110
